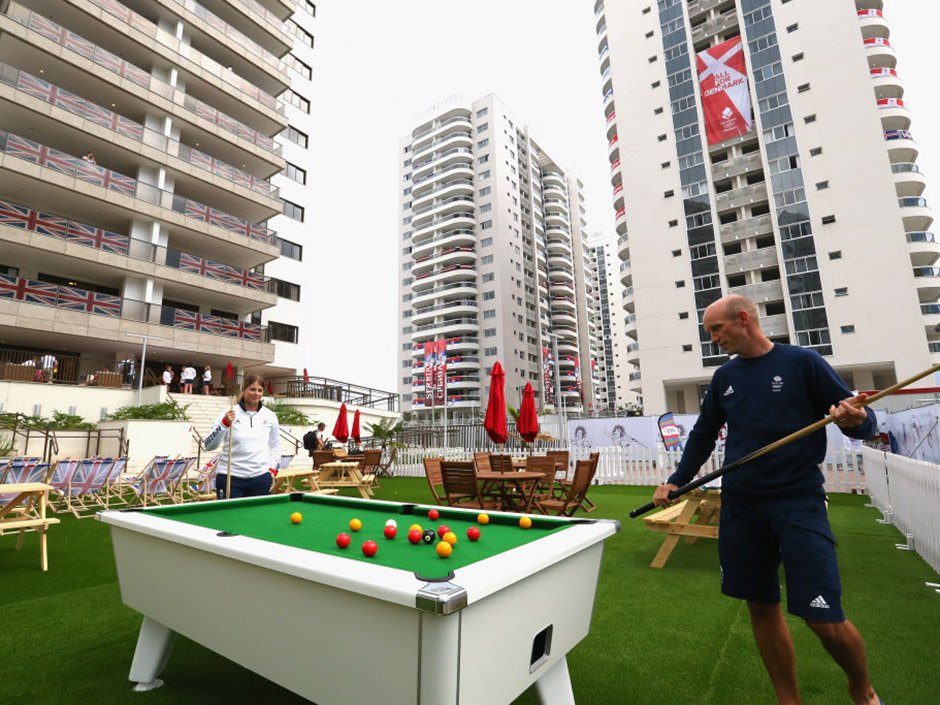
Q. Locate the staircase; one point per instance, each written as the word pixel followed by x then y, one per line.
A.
pixel 203 411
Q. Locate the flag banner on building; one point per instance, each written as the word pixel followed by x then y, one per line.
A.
pixel 429 359
pixel 548 383
pixel 672 437
pixel 577 377
pixel 722 78
pixel 440 372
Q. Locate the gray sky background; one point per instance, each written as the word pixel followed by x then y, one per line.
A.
pixel 381 63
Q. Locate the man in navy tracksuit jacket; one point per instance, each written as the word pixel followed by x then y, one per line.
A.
pixel 774 508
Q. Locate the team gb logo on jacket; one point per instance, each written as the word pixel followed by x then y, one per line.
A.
pixel 776 384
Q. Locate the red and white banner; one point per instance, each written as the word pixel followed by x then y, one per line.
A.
pixel 548 382
pixel 577 376
pixel 429 360
pixel 722 78
pixel 440 371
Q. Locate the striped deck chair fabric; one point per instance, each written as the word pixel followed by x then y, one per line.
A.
pixel 162 482
pixel 285 461
pixel 87 489
pixel 113 487
pixel 61 476
pixel 202 484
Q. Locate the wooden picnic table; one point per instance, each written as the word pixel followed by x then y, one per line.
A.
pixel 286 479
pixel 339 474
pixel 696 517
pixel 20 513
pixel 517 480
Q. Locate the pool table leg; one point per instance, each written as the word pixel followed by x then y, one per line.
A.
pixel 554 687
pixel 154 646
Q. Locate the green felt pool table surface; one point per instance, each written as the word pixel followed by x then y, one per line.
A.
pixel 325 517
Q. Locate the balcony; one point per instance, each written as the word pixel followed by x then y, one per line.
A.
pixel 440 208
pixel 455 221
pixel 881 54
pixel 627 300
pixel 456 123
pixel 455 382
pixel 760 292
pixel 554 178
pixel 620 221
pixel 454 172
pixel 443 258
pixel 901 146
pixel 927 281
pixel 915 212
pixel 629 322
pixel 445 292
pixel 741 197
pixel 254 20
pixel 931 318
pixel 751 261
pixel 455 156
pixel 43 239
pixel 70 181
pixel 445 275
pixel 559 245
pixel 623 246
pixel 449 238
pixel 873 24
pixel 446 327
pixel 613 148
pixel 461 307
pixel 714 26
pixel 923 248
pixel 462 138
pixel 445 190
pixel 886 83
pixel 747 228
pixel 736 166
pixel 909 182
pixel 626 273
pixel 38 306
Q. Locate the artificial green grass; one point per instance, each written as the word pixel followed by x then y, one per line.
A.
pixel 658 637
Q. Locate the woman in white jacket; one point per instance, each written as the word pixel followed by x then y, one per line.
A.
pixel 256 443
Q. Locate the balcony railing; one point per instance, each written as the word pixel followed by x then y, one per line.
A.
pixel 912 202
pixel 33 291
pixel 862 14
pixel 881 73
pixel 898 135
pixel 471 339
pixel 876 42
pixel 891 103
pixel 61 98
pixel 69 40
pixel 17 216
pixel 446 323
pixel 920 237
pixel 64 163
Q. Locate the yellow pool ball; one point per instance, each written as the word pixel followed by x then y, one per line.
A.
pixel 444 549
pixel 525 522
pixel 450 537
pixel 296 517
pixel 355 525
pixel 416 527
pixel 483 519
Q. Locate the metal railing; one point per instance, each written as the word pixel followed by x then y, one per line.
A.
pixel 299 386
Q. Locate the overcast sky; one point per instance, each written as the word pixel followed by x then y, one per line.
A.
pixel 380 63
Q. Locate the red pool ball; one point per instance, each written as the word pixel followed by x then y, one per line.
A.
pixel 414 536
pixel 390 532
pixel 433 515
pixel 442 529
pixel 343 540
pixel 369 549
pixel 473 533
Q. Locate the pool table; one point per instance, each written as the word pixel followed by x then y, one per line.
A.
pixel 339 628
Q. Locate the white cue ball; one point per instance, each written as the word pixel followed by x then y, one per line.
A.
pixel 392 522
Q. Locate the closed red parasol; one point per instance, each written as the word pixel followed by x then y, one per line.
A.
pixel 341 429
pixel 355 429
pixel 528 423
pixel 306 376
pixel 495 420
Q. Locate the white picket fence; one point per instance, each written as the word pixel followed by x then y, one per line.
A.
pixel 636 465
pixel 907 493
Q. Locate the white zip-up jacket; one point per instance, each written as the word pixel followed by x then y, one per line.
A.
pixel 256 441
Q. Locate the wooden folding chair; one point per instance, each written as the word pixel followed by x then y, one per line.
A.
pixel 540 490
pixel 369 466
pixel 432 470
pixel 571 502
pixel 202 485
pixel 322 456
pixel 461 487
pixel 562 486
pixel 385 469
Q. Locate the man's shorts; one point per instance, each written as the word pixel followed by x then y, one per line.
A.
pixel 757 533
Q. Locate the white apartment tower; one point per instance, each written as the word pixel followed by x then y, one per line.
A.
pixel 491 262
pixel 762 147
pixel 139 187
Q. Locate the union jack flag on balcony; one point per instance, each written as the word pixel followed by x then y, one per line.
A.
pixel 22 217
pixel 204 161
pixel 240 129
pixel 115 63
pixel 204 111
pixel 196 321
pixel 242 277
pixel 239 329
pixel 128 16
pixel 203 267
pixel 99 176
pixel 51 94
pixel 197 211
pixel 22 148
pixel 90 236
pixel 265 142
pixel 27 290
pixel 223 219
pixel 113 121
pixel 60 35
pixel 230 124
pixel 255 232
pixel 73 299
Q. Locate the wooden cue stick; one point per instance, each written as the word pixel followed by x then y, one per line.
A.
pixel 673 494
pixel 228 474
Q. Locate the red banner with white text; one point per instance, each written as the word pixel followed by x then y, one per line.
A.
pixel 577 376
pixel 440 372
pixel 722 78
pixel 548 382
pixel 429 374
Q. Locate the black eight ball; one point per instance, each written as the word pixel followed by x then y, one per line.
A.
pixel 428 536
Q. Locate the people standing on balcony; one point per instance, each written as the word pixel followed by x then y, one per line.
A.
pixel 49 363
pixel 207 380
pixel 187 375
pixel 168 377
pixel 255 443
pixel 89 157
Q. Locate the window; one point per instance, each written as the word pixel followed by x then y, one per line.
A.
pixel 798 57
pixel 815 151
pixel 652 59
pixel 683 315
pixel 802 88
pixel 489 332
pixel 406 380
pixel 677 253
pixel 292 210
pixel 484 159
pixel 483 127
pixel 486 242
pixel 489 351
pixel 822 185
pixel 847 329
pixel 658 111
pixel 489 295
pixel 665 165
pixel 299 66
pixel 485 191
pixel 296 136
pixel 302 34
pixel 835 254
pixel 673 223
pixel 488 277
pixel 649 34
pixel 680 284
pixel 486 207
pixel 295 173
pixel 686 348
pixel 828 219
pixel 661 138
pixel 486 259
pixel 810 118
pixel 283 332
pixel 291 250
pixel 793 27
pixel 286 290
pixel 654 84
pixel 483 143
pixel 485 174
pixel 842 291
pixel 297 100
pixel 489 313
pixel 669 194
pixel 486 225
pixel 310 8
pixel 482 112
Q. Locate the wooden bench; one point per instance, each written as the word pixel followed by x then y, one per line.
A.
pixel 20 513
pixel 696 517
pixel 18 373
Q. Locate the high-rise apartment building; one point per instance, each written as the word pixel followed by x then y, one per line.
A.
pixel 616 347
pixel 762 147
pixel 138 164
pixel 492 263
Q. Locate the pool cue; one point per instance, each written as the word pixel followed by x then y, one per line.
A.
pixel 228 475
pixel 813 427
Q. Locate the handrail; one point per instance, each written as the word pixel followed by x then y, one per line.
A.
pixel 288 436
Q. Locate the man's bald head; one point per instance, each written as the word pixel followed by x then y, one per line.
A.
pixel 734 326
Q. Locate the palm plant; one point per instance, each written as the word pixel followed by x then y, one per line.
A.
pixel 385 430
